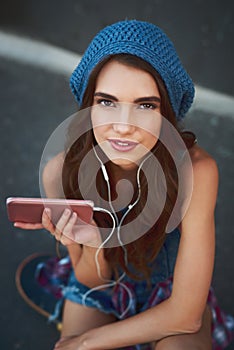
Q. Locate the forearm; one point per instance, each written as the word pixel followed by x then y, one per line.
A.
pixel 85 267
pixel 156 323
pixel 75 252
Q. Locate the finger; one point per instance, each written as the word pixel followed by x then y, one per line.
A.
pixel 60 343
pixel 68 236
pixel 62 223
pixel 67 231
pixel 64 342
pixel 46 221
pixel 57 234
pixel 87 234
pixel 28 226
pixel 67 241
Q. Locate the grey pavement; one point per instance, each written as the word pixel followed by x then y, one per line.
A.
pixel 35 101
pixel 202 30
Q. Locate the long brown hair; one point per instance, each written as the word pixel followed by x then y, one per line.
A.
pixel 144 249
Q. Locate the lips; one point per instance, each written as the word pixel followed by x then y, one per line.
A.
pixel 122 145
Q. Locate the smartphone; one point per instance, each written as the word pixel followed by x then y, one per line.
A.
pixel 29 210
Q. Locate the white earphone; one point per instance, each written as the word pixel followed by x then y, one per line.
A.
pixel 116 225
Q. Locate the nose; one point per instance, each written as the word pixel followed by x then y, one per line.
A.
pixel 123 124
pixel 123 129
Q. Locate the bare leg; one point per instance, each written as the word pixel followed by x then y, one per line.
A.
pixel 197 341
pixel 77 319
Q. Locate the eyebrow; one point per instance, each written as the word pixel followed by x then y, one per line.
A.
pixel 140 99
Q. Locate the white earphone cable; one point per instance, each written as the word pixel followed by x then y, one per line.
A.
pixel 116 224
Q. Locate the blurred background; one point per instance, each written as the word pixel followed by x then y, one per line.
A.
pixel 40 44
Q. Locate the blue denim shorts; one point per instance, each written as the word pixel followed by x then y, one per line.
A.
pixel 129 296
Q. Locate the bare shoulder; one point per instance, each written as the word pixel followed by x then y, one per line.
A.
pixel 205 176
pixel 204 191
pixel 55 163
pixel 204 165
pixel 52 176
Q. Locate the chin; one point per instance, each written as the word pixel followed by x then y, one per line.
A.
pixel 124 164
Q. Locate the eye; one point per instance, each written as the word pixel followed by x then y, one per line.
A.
pixel 148 106
pixel 105 103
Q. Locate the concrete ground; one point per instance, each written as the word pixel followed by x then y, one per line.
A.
pixel 35 100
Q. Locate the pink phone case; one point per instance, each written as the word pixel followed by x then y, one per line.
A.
pixel 30 210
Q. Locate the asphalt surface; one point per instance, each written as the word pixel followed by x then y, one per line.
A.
pixel 35 101
pixel 202 30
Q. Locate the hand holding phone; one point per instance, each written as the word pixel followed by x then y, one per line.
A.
pixel 75 226
pixel 30 210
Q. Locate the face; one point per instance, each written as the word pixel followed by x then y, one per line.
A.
pixel 125 113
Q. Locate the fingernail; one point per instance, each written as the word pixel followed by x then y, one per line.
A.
pixel 67 211
pixel 58 342
pixel 61 339
pixel 47 210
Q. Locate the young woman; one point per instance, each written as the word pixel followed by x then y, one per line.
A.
pixel 141 273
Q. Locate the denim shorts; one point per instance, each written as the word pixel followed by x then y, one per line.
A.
pixel 130 297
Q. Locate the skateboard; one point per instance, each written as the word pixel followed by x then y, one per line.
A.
pixel 38 280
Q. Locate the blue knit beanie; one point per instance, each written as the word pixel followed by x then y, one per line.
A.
pixel 146 41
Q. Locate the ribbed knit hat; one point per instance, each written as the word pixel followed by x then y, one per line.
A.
pixel 146 41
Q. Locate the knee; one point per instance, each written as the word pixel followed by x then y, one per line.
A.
pixel 168 344
pixel 176 343
pixel 165 345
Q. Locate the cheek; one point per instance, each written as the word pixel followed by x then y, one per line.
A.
pixel 151 133
pixel 99 133
pixel 150 141
pixel 150 124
